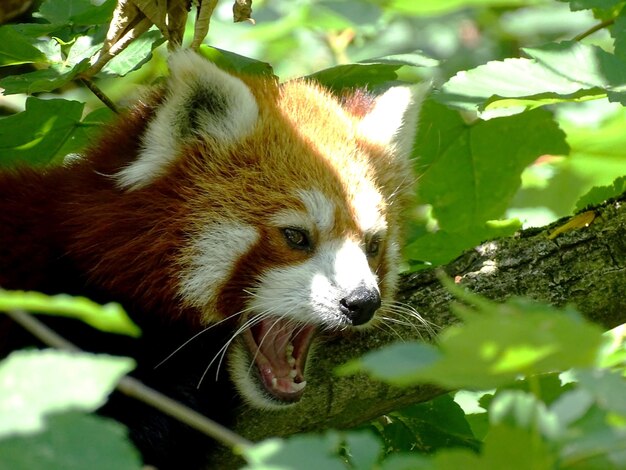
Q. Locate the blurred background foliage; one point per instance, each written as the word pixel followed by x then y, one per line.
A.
pixel 445 37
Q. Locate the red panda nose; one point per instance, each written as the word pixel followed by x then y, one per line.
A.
pixel 360 305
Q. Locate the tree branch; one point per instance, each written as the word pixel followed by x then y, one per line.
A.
pixel 584 266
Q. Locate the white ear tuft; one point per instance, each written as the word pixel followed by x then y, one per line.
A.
pixel 393 119
pixel 202 102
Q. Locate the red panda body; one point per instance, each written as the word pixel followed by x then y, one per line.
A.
pixel 262 213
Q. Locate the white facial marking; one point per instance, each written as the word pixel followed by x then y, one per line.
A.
pixel 232 115
pixel 350 267
pixel 367 205
pixel 213 256
pixel 319 208
pixel 292 218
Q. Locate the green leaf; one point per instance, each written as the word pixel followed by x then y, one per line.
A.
pixel 547 387
pixel 600 69
pixel 135 55
pixel 436 424
pixel 599 194
pixel 469 173
pixel 442 246
pixel 405 357
pixel 35 135
pixel 110 318
pixel 571 406
pixel 370 73
pixel 34 384
pixel 505 447
pixel 36 30
pixel 407 461
pixel 299 452
pixel 576 5
pixel 437 411
pixel 479 165
pixel 607 387
pixel 614 352
pixel 519 409
pixel 556 72
pixel 512 447
pixel 595 442
pixel 437 7
pixel 46 80
pixel 63 446
pixel 495 345
pixel 618 31
pixel 235 62
pixel 362 448
pixel 85 133
pixel 14 49
pixel 344 76
pixel 78 12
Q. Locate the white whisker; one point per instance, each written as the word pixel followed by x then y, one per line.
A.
pixel 212 325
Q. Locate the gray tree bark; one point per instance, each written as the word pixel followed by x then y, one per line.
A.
pixel 580 265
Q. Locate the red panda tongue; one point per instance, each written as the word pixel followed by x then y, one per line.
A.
pixel 279 349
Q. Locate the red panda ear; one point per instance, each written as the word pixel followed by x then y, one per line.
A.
pixel 392 120
pixel 201 102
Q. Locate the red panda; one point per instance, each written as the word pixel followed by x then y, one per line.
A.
pixel 248 213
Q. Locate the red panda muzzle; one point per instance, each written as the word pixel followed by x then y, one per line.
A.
pixel 279 349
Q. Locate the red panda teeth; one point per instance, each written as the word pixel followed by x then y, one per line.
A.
pixel 279 350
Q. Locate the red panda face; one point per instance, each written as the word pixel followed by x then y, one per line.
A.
pixel 294 205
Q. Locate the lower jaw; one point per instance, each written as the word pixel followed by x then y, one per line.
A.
pixel 247 380
pixel 276 356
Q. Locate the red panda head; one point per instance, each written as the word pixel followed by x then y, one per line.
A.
pixel 294 201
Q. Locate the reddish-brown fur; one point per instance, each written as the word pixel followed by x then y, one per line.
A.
pixel 73 229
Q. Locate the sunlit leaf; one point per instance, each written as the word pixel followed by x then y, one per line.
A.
pixel 15 49
pixel 79 12
pixel 110 318
pixel 599 194
pixel 135 55
pixel 469 174
pixel 555 72
pixel 490 349
pixel 235 62
pixel 49 79
pixel 35 384
pixel 431 7
pixel 370 73
pixel 37 134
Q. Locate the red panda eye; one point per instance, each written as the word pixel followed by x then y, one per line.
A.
pixel 373 246
pixel 297 238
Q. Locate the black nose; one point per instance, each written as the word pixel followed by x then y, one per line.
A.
pixel 359 306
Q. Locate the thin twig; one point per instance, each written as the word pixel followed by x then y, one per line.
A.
pixel 47 335
pixel 594 28
pixel 134 388
pixel 100 94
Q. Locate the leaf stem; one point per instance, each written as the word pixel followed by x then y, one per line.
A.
pixel 100 94
pixel 594 28
pixel 134 388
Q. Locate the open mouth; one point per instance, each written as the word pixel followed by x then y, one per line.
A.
pixel 279 349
